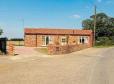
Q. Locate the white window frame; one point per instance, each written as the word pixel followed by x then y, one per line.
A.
pixel 44 42
pixel 65 38
pixel 50 39
pixel 85 38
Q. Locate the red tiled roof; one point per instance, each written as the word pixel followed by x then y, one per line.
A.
pixel 56 31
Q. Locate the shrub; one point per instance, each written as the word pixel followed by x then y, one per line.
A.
pixel 112 39
pixel 104 41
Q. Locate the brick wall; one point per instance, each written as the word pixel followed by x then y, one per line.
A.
pixel 57 49
pixel 11 49
pixel 91 40
pixel 73 40
pixel 56 39
pixel 39 40
pixel 30 40
pixel 33 37
pixel 36 40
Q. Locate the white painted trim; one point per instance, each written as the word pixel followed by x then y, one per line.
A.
pixel 49 37
pixel 63 37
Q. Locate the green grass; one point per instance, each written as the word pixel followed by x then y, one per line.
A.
pixel 102 46
pixel 42 50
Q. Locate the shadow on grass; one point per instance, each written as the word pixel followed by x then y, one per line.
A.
pixel 16 54
pixel 42 50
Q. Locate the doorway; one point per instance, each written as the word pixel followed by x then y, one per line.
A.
pixel 45 40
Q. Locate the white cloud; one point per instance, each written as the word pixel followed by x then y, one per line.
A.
pixel 99 1
pixel 76 16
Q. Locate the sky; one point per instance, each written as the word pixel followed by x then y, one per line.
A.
pixel 15 15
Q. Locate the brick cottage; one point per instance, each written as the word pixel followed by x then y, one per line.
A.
pixel 40 37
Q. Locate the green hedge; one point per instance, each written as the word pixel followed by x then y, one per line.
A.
pixel 105 41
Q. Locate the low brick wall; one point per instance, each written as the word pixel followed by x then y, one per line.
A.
pixel 10 50
pixel 58 49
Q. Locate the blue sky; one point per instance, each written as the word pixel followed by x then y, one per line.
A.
pixel 47 14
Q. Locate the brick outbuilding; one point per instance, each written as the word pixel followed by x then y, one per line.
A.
pixel 37 37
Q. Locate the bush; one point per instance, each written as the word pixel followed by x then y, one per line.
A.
pixel 16 39
pixel 104 41
pixel 112 38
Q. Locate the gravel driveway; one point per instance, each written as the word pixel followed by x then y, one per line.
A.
pixel 74 68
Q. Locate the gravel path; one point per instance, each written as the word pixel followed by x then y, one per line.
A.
pixel 74 68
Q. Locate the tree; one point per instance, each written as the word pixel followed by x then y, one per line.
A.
pixel 1 31
pixel 17 39
pixel 88 24
pixel 104 25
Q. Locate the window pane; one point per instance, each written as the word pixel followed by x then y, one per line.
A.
pixel 63 40
pixel 43 40
pixel 80 40
pixel 50 39
pixel 86 39
pixel 83 40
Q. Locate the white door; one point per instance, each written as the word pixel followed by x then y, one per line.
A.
pixel 45 40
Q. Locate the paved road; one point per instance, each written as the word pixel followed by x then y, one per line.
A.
pixel 103 71
pixel 90 66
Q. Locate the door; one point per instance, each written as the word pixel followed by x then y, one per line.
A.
pixel 45 40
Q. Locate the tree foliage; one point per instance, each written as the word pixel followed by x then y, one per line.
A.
pixel 1 31
pixel 104 25
pixel 17 39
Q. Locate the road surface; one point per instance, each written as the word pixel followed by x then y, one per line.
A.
pixel 89 66
pixel 103 71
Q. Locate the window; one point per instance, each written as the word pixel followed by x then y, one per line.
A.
pixel 83 39
pixel 43 40
pixel 63 40
pixel 50 40
pixel 86 39
pixel 47 40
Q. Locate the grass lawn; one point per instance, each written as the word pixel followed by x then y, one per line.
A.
pixel 42 50
pixel 102 46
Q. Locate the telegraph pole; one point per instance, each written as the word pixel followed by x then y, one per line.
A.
pixel 95 12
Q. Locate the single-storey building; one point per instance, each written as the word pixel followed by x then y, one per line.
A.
pixel 37 37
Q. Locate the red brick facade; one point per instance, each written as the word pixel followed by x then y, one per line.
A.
pixel 58 49
pixel 42 37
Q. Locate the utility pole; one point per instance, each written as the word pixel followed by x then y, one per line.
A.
pixel 95 17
